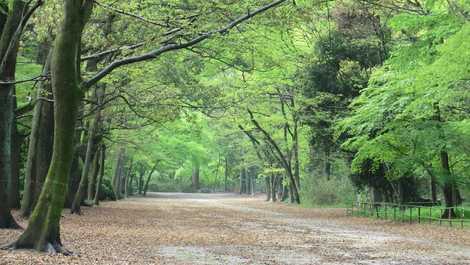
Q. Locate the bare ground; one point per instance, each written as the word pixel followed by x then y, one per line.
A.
pixel 172 228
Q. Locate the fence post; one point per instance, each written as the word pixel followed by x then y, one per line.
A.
pixel 385 206
pixel 411 214
pixel 430 215
pixel 449 217
pixel 419 215
pixel 440 217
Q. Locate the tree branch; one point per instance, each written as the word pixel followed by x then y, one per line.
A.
pixel 171 47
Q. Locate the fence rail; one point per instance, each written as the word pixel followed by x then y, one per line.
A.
pixel 412 213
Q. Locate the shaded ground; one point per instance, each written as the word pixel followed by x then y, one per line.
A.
pixel 224 229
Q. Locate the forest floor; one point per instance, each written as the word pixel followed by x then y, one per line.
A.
pixel 173 228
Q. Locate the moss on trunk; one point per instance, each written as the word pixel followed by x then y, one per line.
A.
pixel 43 231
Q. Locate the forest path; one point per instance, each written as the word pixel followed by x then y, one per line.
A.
pixel 175 228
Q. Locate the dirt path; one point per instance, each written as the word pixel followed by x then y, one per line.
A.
pixel 224 229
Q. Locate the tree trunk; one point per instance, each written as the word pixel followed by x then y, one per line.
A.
pixel 433 189
pixel 273 188
pixel 252 184
pixel 43 231
pixel 141 182
pixel 7 73
pixel 93 176
pixel 100 178
pixel 195 176
pixel 118 173
pixel 450 189
pixel 90 153
pixel 268 188
pixel 149 177
pixel 14 184
pixel 126 179
pixel 40 143
pixel 242 181
pixel 296 154
pixel 226 175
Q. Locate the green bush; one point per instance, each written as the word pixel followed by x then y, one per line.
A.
pixel 322 192
pixel 106 191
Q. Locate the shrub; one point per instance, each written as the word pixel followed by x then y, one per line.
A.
pixel 320 191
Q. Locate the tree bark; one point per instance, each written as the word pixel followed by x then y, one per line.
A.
pixel 94 175
pixel 14 183
pixel 101 176
pixel 43 231
pixel 450 189
pixel 273 188
pixel 149 177
pixel 195 176
pixel 8 54
pixel 268 188
pixel 90 153
pixel 226 175
pixel 280 156
pixel 40 143
pixel 118 174
pixel 126 179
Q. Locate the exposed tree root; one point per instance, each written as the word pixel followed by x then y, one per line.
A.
pixel 50 248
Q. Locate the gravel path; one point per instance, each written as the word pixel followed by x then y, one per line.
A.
pixel 175 228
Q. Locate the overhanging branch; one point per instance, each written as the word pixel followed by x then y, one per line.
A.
pixel 171 47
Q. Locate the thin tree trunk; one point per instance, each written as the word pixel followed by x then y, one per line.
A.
pixel 93 176
pixel 90 153
pixel 273 188
pixel 149 177
pixel 226 175
pixel 195 176
pixel 126 179
pixel 141 182
pixel 268 188
pixel 433 189
pixel 100 178
pixel 117 174
pixel 43 231
pixel 252 184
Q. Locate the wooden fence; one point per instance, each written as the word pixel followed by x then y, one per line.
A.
pixel 412 213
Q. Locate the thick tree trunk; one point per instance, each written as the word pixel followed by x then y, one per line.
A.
pixel 8 54
pixel 40 143
pixel 43 231
pixel 14 183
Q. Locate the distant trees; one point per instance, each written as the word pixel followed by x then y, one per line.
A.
pixel 69 91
